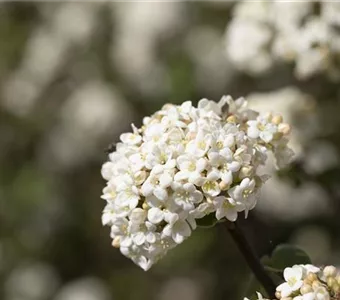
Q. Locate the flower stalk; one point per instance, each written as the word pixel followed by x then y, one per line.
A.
pixel 251 258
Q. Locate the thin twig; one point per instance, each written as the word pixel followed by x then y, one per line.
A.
pixel 251 258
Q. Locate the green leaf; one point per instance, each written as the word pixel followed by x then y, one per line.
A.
pixel 286 255
pixel 207 221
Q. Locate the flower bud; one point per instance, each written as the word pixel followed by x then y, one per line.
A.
pixel 329 271
pixel 330 281
pixel 246 171
pixel 305 289
pixel 312 277
pixel 116 242
pixel 277 119
pixel 232 119
pixel 284 128
pixel 316 284
pixel 223 186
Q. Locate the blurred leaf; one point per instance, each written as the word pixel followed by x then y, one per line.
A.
pixel 284 256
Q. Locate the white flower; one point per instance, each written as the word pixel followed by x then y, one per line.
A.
pixel 209 108
pixel 120 229
pixel 211 188
pixel 187 196
pixel 263 129
pixel 109 214
pixel 202 210
pixel 293 277
pixel 155 133
pixel 184 163
pixel 127 195
pixel 226 207
pixel 190 169
pixel 159 155
pixel 177 229
pixel 200 145
pixel 262 33
pixel 157 184
pixel 224 166
pixel 130 138
pixel 247 43
pixel 245 193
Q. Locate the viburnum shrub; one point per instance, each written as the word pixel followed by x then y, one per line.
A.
pixel 186 164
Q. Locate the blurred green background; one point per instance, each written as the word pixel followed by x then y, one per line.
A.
pixel 73 76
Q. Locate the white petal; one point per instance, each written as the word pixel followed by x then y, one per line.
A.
pixel 197 179
pixel 152 201
pixel 125 241
pixel 106 218
pixel 253 132
pixel 177 237
pixel 167 230
pixel 182 161
pixel 107 170
pixel 189 187
pixel 181 175
pixel 171 218
pixel 197 196
pixel 231 214
pixel 151 237
pixel 227 177
pixel 182 228
pixel 147 189
pixel 155 215
pixel 214 174
pixel 165 180
pixel 220 213
pixel 201 164
pixel 234 166
pixel 266 136
pixel 138 215
pixel 139 238
pixel 144 263
pixel 160 193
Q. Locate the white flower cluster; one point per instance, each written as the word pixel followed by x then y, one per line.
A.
pixel 303 32
pixel 183 164
pixel 307 282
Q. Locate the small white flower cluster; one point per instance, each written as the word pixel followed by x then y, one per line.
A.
pixel 303 32
pixel 307 282
pixel 183 164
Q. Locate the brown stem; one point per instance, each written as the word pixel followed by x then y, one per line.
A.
pixel 251 258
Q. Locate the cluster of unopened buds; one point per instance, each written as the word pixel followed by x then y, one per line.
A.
pixel 184 163
pixel 307 282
